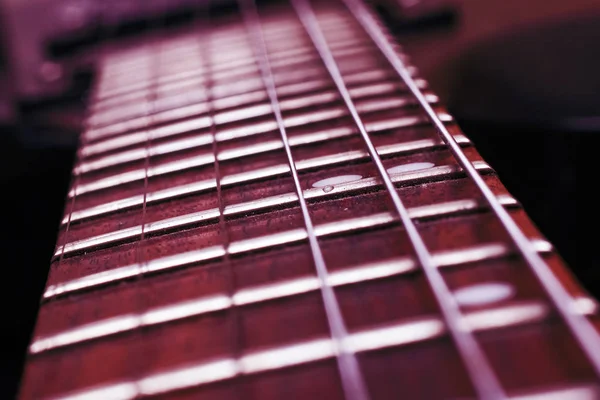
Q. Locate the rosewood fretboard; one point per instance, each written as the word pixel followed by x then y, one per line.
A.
pixel 274 205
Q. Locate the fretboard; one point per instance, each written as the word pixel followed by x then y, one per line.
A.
pixel 273 204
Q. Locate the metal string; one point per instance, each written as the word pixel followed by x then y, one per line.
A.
pixel 578 324
pixel 352 379
pixel 235 318
pixel 83 141
pixel 485 382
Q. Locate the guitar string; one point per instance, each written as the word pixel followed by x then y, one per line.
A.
pixel 581 328
pixel 83 140
pixel 235 318
pixel 151 99
pixel 102 52
pixel 352 380
pixel 482 375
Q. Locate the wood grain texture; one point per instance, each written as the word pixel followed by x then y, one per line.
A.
pixel 535 354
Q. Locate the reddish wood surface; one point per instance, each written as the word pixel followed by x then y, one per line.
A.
pixel 533 356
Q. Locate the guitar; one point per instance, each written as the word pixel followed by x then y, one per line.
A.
pixel 275 204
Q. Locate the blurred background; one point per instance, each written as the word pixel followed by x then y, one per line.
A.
pixel 521 77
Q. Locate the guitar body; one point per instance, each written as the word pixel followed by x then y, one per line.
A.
pixel 274 204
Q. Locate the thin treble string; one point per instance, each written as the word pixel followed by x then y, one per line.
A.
pixel 83 140
pixel 151 98
pixel 236 324
pixel 352 379
pixel 482 375
pixel 580 326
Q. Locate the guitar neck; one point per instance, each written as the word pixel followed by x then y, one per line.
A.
pixel 274 204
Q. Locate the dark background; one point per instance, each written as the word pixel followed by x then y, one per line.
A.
pixel 521 78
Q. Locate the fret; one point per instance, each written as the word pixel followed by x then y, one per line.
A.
pixel 221 91
pixel 240 66
pixel 444 193
pixel 139 174
pixel 127 272
pixel 52 320
pixel 402 361
pixel 396 335
pixel 209 214
pixel 167 382
pixel 141 153
pixel 358 274
pixel 300 121
pixel 478 320
pixel 135 138
pixel 165 103
pixel 301 102
pixel 131 106
pixel 237 66
pixel 199 123
pixel 127 109
pixel 387 150
pixel 134 270
pixel 379 250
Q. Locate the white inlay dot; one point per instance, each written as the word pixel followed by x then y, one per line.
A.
pixel 484 293
pixel 400 169
pixel 336 180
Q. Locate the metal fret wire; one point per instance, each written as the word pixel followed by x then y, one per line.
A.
pixel 485 382
pixel 579 325
pixel 352 380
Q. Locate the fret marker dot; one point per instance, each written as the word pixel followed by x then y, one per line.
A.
pixel 400 169
pixel 328 183
pixel 485 293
